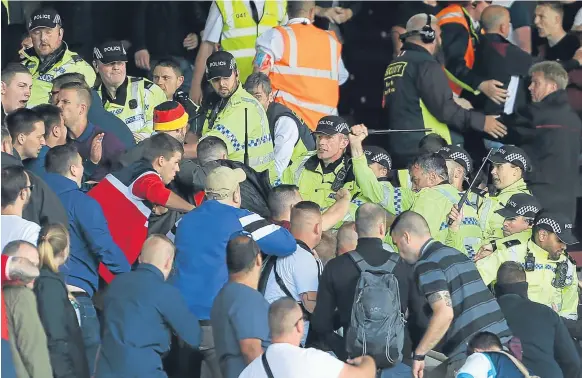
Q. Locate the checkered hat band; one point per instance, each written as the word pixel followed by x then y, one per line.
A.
pixel 512 157
pixel 527 209
pixel 552 223
pixel 462 156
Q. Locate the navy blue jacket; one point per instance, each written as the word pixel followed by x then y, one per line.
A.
pixel 140 311
pixel 201 240
pixel 91 242
pixel 36 166
pixel 108 122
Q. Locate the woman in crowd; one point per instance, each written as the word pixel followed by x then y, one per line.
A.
pixel 58 317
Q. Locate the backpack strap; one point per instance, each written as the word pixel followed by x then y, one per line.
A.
pixel 516 362
pixel 363 266
pixel 266 365
pixel 283 287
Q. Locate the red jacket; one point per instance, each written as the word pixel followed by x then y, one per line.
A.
pixel 126 197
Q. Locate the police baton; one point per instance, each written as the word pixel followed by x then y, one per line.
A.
pixel 466 194
pixel 379 132
pixel 246 155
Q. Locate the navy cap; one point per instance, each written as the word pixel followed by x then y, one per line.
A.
pixel 558 224
pixel 44 18
pixel 331 125
pixel 378 155
pixel 520 204
pixel 458 155
pixel 220 64
pixel 110 52
pixel 513 155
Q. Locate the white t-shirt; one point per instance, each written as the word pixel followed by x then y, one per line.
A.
pixel 286 136
pixel 14 227
pixel 290 361
pixel 300 273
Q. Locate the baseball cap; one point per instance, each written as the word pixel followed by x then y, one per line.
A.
pixel 220 64
pixel 520 204
pixel 44 18
pixel 169 116
pixel 110 52
pixel 222 181
pixel 513 155
pixel 458 155
pixel 378 155
pixel 331 125
pixel 558 224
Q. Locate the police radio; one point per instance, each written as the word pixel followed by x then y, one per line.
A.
pixel 530 262
pixel 559 280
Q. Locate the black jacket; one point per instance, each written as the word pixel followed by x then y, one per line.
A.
pixel 548 349
pixel 44 206
pixel 58 317
pixel 499 59
pixel 549 132
pixel 414 77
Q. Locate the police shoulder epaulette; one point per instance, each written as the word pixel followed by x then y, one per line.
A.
pixel 511 243
pixel 571 259
pixel 77 58
pixel 133 79
pixel 147 84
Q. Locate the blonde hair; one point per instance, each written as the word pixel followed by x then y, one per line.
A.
pixel 53 242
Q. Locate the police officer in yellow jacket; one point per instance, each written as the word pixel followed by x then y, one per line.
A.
pixel 131 99
pixel 551 274
pixel 236 117
pixel 50 57
pixel 519 213
pixel 321 174
pixel 509 166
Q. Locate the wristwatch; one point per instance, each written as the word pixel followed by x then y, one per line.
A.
pixel 418 357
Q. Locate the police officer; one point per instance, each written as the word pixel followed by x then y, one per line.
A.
pixel 50 56
pixel 434 201
pixel 509 166
pixel 236 117
pixel 321 174
pixel 417 95
pixel 551 274
pixel 131 99
pixel 291 136
pixel 519 213
pixel 371 167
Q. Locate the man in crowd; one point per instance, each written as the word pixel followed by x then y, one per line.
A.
pixel 546 131
pixel 27 132
pixel 129 196
pixel 28 342
pixel 551 274
pixel 340 276
pixel 417 95
pixel 143 300
pixel 235 34
pixel 239 312
pixel 290 135
pixel 90 240
pixel 16 88
pixel 347 238
pixel 50 56
pixel 560 46
pixel 16 192
pixel 55 135
pixel 236 117
pixel 97 114
pixel 131 99
pixel 510 165
pixel 286 358
pixel 297 276
pixel 310 88
pixel 548 351
pixel 200 275
pixel 44 206
pixel 444 276
pixel 99 150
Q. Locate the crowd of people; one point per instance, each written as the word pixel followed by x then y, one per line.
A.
pixel 220 217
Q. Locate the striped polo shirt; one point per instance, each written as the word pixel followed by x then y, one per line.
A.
pixel 441 268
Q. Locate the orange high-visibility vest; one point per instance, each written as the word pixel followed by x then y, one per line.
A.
pixel 454 14
pixel 306 78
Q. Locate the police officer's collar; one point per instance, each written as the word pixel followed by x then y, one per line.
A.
pixel 120 94
pixel 313 162
pixel 50 60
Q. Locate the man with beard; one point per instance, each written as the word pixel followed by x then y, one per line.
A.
pixel 236 117
pixel 551 273
pixel 417 95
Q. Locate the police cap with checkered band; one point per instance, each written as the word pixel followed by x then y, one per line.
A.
pixel 378 155
pixel 220 64
pixel 558 224
pixel 520 204
pixel 458 155
pixel 513 155
pixel 331 125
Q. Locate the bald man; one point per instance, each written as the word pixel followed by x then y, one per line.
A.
pixel 500 60
pixel 440 271
pixel 141 311
pixel 347 238
pixel 297 276
pixel 287 359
